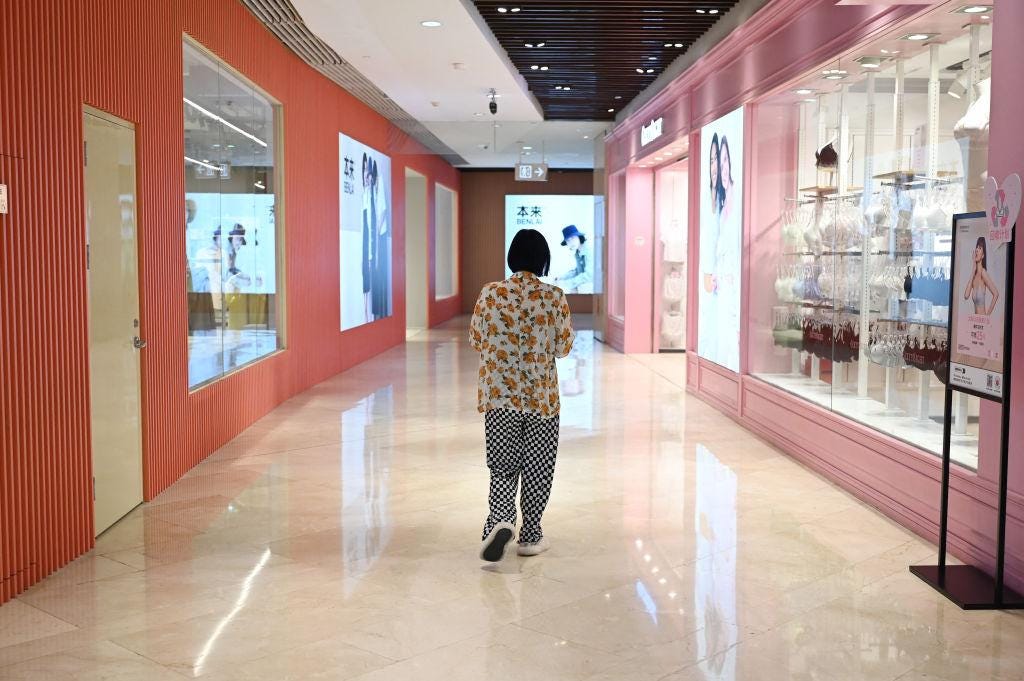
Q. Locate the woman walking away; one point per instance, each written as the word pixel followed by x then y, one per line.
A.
pixel 519 327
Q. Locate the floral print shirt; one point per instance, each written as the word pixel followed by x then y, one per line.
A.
pixel 519 327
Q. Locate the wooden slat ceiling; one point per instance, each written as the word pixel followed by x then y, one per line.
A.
pixel 595 48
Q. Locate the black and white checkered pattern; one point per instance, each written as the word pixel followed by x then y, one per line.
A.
pixel 520 446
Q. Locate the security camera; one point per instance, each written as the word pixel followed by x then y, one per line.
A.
pixel 493 106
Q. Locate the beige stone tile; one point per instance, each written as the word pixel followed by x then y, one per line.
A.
pixel 100 661
pixel 21 622
pixel 507 653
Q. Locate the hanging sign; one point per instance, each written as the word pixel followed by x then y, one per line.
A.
pixel 531 172
pixel 651 131
pixel 982 248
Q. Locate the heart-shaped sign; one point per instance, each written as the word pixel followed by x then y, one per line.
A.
pixel 1002 204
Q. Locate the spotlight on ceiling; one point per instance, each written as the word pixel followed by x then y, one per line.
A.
pixel 804 91
pixel 611 110
pixel 678 45
pixel 430 24
pixel 502 10
pixel 919 37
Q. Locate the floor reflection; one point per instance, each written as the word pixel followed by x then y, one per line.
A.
pixel 336 539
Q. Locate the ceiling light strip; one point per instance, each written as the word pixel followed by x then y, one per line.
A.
pixel 219 119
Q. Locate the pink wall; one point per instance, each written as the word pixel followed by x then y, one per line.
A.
pixel 776 45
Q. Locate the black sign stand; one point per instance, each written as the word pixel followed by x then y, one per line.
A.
pixel 969 587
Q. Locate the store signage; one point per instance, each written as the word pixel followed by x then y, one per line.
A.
pixel 3 199
pixel 531 172
pixel 1002 206
pixel 651 131
pixel 982 249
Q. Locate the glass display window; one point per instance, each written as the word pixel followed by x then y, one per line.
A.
pixel 860 166
pixel 670 255
pixel 231 225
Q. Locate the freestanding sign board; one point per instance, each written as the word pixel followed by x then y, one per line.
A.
pixel 977 310
pixel 980 342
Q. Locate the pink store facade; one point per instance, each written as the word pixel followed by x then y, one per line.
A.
pixel 782 211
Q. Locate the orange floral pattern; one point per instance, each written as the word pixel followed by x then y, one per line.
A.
pixel 519 327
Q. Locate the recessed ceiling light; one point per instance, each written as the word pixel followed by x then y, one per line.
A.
pixel 917 37
pixel 810 100
pixel 668 44
pixel 868 62
pixel 639 70
pixel 652 59
pixel 618 96
pixel 803 91
pixel 678 45
pixel 611 110
pixel 534 67
pixel 650 70
pixel 700 11
pixel 558 87
pixel 541 44
pixel 586 137
pixel 430 24
pixel 973 9
pixel 515 9
pixel 712 11
pixel 566 88
pixel 502 10
pixel 527 148
pixel 543 68
pixel 529 45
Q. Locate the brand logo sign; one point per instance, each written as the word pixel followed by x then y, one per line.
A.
pixel 651 131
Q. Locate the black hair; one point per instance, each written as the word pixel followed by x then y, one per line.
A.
pixel 529 252
pixel 723 151
pixel 716 181
pixel 984 251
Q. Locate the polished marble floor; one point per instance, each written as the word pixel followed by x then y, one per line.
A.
pixel 337 539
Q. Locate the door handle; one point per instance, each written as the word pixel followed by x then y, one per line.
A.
pixel 138 343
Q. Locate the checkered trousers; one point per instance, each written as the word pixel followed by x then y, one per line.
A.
pixel 521 448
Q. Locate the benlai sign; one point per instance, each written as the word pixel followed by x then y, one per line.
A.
pixel 651 131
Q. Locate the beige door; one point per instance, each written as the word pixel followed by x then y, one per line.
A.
pixel 114 337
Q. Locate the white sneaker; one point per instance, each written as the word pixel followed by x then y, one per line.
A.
pixel 493 548
pixel 533 548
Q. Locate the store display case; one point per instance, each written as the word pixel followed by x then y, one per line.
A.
pixel 871 156
pixel 672 198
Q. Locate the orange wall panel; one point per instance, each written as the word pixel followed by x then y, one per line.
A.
pixel 124 57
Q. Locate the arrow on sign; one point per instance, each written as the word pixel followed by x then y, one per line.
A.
pixel 540 171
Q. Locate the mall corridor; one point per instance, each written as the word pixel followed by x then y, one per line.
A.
pixel 337 538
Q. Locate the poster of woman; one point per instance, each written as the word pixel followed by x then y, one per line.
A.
pixel 978 307
pixel 365 234
pixel 721 234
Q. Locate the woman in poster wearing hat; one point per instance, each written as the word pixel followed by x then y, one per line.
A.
pixel 576 280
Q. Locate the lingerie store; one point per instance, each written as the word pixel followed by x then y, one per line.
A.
pixel 822 176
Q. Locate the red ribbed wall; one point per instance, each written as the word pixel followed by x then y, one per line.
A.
pixel 124 57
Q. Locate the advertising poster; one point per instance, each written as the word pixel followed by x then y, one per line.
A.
pixel 567 222
pixel 979 304
pixel 721 235
pixel 365 230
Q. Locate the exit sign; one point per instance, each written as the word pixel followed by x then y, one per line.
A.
pixel 531 172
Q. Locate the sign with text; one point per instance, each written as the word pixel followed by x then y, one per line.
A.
pixel 532 172
pixel 978 313
pixel 651 131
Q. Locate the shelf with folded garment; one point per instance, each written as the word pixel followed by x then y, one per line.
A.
pixel 831 307
pixel 825 254
pixel 910 321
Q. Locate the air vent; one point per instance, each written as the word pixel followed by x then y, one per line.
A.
pixel 285 22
